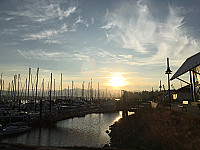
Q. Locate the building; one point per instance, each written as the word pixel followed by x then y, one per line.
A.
pixel 191 65
pixel 182 94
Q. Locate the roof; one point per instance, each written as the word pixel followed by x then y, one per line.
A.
pixel 184 89
pixel 189 64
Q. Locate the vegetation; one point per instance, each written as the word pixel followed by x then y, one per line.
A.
pixel 157 129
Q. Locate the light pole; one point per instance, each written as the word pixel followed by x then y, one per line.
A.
pixel 168 72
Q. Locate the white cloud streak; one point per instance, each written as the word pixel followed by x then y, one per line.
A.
pixel 46 33
pixel 40 54
pixel 134 27
pixel 41 11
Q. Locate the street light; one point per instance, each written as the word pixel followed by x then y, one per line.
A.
pixel 168 72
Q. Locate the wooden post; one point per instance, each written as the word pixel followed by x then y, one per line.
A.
pixel 191 86
pixel 194 90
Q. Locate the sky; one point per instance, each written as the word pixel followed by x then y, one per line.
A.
pixel 84 39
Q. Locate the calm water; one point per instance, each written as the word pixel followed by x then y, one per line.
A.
pixel 85 131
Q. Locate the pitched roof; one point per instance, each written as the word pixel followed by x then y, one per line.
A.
pixel 189 64
pixel 184 89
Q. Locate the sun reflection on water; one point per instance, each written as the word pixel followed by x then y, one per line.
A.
pixel 120 115
pixel 117 119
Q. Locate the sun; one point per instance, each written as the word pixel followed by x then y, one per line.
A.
pixel 117 80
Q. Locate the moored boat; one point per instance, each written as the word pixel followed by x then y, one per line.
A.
pixel 14 129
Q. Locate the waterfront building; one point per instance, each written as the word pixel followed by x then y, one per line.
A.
pixel 191 65
pixel 182 94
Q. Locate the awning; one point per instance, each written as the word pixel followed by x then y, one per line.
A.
pixel 188 65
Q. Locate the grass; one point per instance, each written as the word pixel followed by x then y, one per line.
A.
pixel 157 129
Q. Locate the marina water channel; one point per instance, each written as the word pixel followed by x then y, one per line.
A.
pixel 87 131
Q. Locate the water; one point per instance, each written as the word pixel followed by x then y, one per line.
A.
pixel 85 131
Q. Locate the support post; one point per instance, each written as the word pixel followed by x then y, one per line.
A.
pixel 191 87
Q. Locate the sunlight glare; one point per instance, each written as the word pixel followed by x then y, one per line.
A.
pixel 117 119
pixel 117 80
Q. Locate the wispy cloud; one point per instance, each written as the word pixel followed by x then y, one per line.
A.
pixel 46 34
pixel 9 31
pixel 92 20
pixel 41 11
pixel 40 54
pixel 132 26
pixel 78 20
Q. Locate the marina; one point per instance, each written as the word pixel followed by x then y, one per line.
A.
pixel 87 131
pixel 99 74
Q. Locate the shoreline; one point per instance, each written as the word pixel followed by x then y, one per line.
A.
pixel 157 128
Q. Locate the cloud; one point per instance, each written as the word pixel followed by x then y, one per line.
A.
pixel 41 11
pixel 92 20
pixel 126 56
pixel 46 34
pixel 132 26
pixel 9 31
pixel 78 20
pixel 40 54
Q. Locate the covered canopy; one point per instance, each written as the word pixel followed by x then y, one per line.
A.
pixel 189 64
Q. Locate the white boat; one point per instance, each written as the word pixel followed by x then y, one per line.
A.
pixel 13 129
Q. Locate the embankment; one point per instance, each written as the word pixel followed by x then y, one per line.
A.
pixel 157 129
